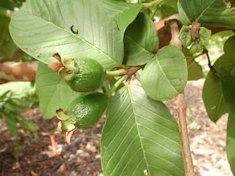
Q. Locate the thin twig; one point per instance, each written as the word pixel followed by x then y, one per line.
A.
pixel 210 65
pixel 209 61
pixel 181 108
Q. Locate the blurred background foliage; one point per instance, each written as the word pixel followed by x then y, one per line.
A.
pixel 15 96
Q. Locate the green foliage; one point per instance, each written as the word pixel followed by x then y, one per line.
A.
pixel 140 137
pixel 196 45
pixel 84 112
pixel 5 20
pixel 170 74
pixel 220 83
pixel 231 140
pixel 7 46
pixel 53 92
pixel 213 97
pixel 6 4
pixel 207 13
pixel 168 7
pixel 232 3
pixel 83 74
pixel 22 91
pixel 10 4
pixel 15 96
pixel 194 68
pixel 100 36
pixel 228 87
pixel 141 41
pixel 219 93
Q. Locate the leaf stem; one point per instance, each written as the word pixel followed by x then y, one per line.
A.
pixel 210 65
pixel 209 61
pixel 119 72
pixel 181 108
pixel 152 3
pixel 117 84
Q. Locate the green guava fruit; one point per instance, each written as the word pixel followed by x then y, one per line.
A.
pixel 84 112
pixel 83 74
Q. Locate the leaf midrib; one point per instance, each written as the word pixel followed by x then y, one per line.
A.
pixel 76 36
pixel 139 135
pixel 131 99
pixel 140 46
pixel 159 65
pixel 198 18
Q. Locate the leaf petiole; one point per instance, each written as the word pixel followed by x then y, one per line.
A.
pixel 117 84
pixel 120 72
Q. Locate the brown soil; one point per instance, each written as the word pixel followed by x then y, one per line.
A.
pixel 207 138
pixel 34 158
pixel 81 158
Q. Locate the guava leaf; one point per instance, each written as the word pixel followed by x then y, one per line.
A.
pixel 73 28
pixel 232 3
pixel 141 41
pixel 6 4
pixel 225 67
pixel 185 36
pixel 140 137
pixel 166 75
pixel 213 97
pixel 194 69
pixel 231 140
pixel 205 36
pixel 218 86
pixel 219 95
pixel 228 88
pixel 7 46
pixel 167 8
pixel 53 92
pixel 206 12
pixel 4 22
